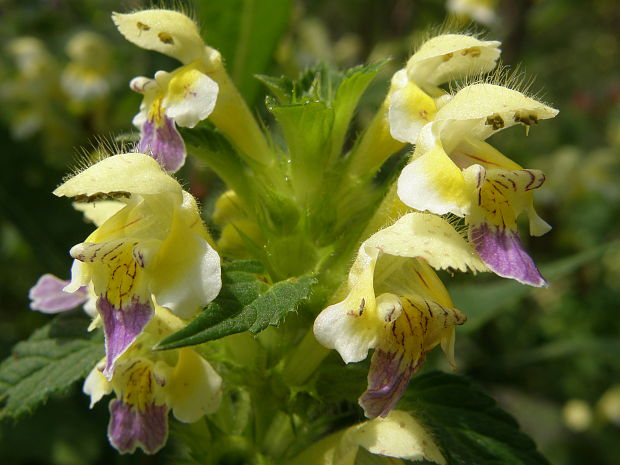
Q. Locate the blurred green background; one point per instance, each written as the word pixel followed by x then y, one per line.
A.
pixel 549 356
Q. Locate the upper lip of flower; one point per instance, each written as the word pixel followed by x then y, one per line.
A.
pixel 165 31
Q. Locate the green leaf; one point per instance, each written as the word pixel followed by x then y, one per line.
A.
pixel 353 85
pixel 246 303
pixel 315 112
pixel 246 32
pixel 467 424
pixel 317 83
pixel 52 359
pixel 482 303
pixel 307 129
pixel 322 82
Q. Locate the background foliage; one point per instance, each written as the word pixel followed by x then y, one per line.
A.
pixel 549 356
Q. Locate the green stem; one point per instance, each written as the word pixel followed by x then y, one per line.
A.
pixel 233 117
pixel 375 146
pixel 304 360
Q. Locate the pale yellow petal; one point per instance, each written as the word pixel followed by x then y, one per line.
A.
pixel 164 31
pixel 397 435
pixel 328 451
pixel 430 238
pixel 80 276
pixel 451 56
pixel 475 151
pixel 538 226
pixel 194 389
pixel 447 344
pixel 480 110
pixel 98 212
pixel 186 275
pixel 406 276
pixel 96 385
pixel 351 326
pixel 119 176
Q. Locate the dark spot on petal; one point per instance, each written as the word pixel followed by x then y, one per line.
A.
pixel 447 56
pixel 525 119
pixel 102 196
pixel 165 38
pixel 495 121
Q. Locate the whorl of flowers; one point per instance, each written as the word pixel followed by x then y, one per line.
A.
pixel 300 208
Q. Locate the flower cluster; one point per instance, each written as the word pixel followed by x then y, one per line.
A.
pixel 147 268
pixel 151 265
pixel 395 303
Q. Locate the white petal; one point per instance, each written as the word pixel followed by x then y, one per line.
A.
pixel 410 108
pixel 96 385
pixel 190 97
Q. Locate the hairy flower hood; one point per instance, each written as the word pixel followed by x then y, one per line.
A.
pixel 165 31
pixel 397 305
pixel 453 170
pixel 414 90
pixel 154 249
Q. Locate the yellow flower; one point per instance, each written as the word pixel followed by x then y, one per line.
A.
pixel 183 97
pixel 397 305
pixel 397 436
pixel 155 249
pixel 415 89
pixel 148 384
pixel 454 171
pixel 199 89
